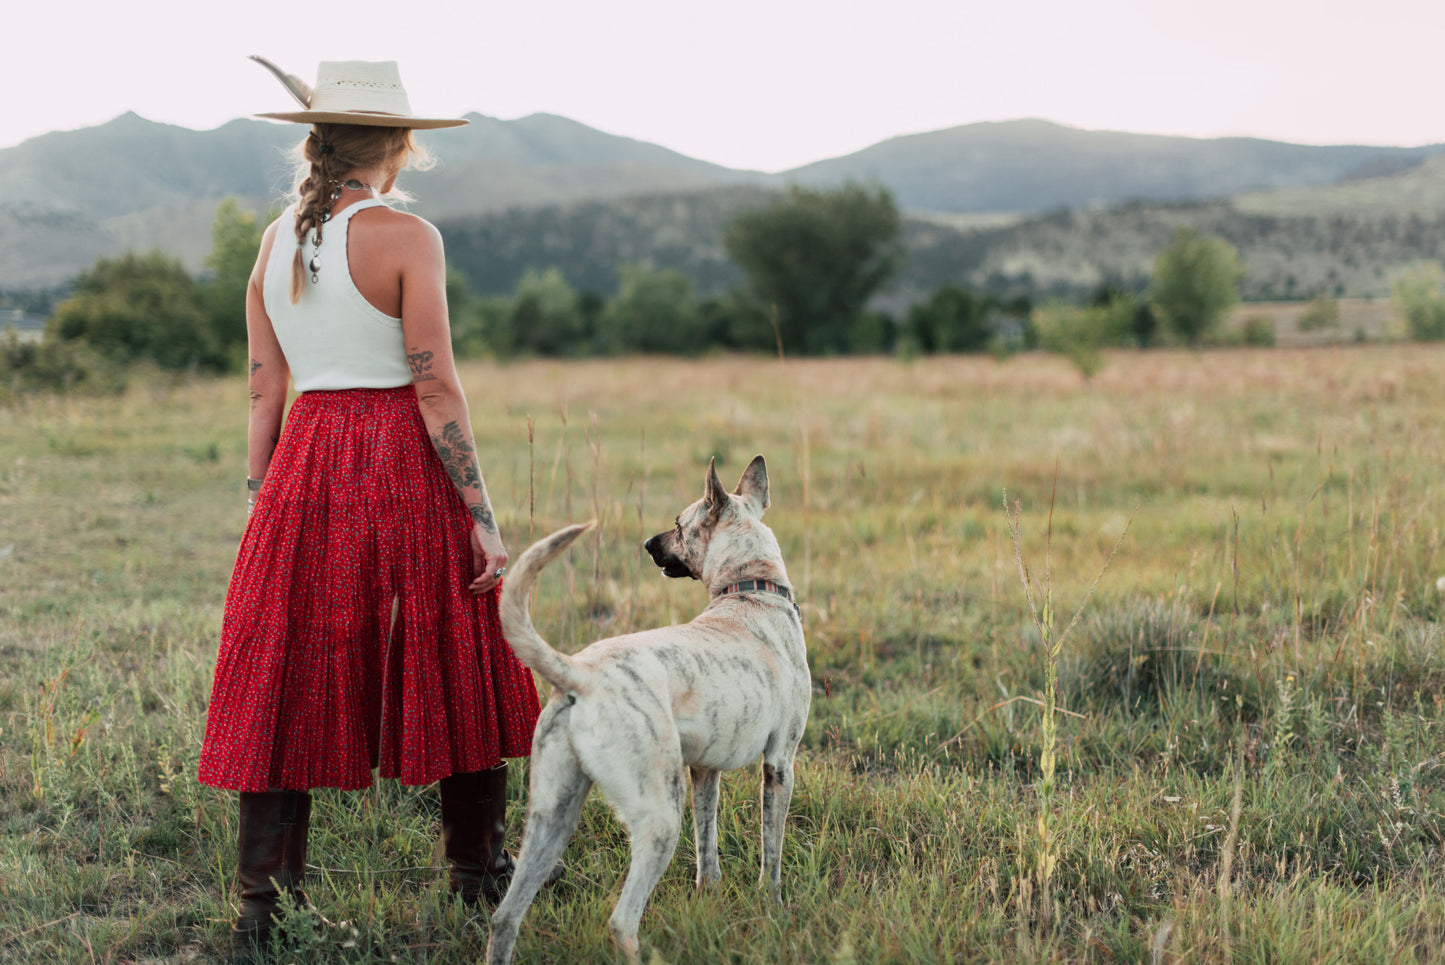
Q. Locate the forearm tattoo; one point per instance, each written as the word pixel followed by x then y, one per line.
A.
pixel 254 366
pixel 482 516
pixel 459 459
pixel 420 363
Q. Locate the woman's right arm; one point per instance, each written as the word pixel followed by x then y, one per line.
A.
pixel 269 374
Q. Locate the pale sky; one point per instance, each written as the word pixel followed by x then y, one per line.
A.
pixel 764 84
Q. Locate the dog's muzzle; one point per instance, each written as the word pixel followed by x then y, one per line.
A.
pixel 671 566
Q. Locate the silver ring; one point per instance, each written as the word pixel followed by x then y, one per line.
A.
pixel 500 571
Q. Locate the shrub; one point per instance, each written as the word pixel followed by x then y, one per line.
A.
pixel 1258 330
pixel 53 365
pixel 1322 312
pixel 141 307
pixel 1415 295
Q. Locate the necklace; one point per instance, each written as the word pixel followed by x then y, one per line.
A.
pixel 350 184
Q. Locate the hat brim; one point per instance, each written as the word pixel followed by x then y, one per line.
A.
pixel 367 119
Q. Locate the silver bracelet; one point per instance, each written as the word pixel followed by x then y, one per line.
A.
pixel 253 484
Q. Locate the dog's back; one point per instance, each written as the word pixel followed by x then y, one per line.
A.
pixel 742 661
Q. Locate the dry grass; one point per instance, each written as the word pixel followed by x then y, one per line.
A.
pixel 1269 625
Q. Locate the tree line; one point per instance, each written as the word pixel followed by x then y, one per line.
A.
pixel 812 264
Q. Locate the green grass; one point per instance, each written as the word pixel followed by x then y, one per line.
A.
pixel 1269 626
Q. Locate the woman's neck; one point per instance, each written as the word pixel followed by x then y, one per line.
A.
pixel 360 184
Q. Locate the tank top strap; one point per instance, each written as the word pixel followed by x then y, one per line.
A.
pixel 358 206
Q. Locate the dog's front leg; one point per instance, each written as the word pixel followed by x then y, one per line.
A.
pixel 777 791
pixel 704 824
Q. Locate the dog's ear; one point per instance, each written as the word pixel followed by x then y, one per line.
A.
pixel 755 482
pixel 714 496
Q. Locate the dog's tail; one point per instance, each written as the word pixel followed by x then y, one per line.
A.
pixel 558 669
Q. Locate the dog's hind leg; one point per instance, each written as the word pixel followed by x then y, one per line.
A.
pixel 650 804
pixel 557 791
pixel 704 824
pixel 777 791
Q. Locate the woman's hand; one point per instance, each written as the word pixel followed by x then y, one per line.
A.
pixel 489 556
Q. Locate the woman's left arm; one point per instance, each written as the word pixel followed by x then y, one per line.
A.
pixel 427 333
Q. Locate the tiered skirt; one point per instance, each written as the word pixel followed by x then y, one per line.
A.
pixel 350 642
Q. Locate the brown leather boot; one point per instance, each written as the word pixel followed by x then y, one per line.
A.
pixel 271 859
pixel 474 831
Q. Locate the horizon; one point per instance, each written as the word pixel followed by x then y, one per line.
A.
pixel 766 86
pixel 901 135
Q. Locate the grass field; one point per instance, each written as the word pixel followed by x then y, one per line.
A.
pixel 1250 735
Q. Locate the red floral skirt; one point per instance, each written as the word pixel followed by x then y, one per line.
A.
pixel 349 641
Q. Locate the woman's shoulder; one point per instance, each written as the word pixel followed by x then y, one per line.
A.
pixel 398 227
pixel 286 217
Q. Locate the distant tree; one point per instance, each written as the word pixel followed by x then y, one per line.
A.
pixel 590 306
pixel 478 325
pixel 1415 294
pixel 1195 281
pixel 545 318
pixel 1144 323
pixel 735 321
pixel 817 256
pixel 653 312
pixel 1130 316
pixel 235 242
pixel 141 307
pixel 953 319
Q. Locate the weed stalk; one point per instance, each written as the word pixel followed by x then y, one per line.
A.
pixel 1041 612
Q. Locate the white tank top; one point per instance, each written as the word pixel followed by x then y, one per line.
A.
pixel 333 338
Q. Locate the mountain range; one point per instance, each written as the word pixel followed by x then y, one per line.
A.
pixel 514 193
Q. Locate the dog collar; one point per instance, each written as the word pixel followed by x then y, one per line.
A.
pixel 767 586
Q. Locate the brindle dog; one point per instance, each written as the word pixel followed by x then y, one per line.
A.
pixel 636 714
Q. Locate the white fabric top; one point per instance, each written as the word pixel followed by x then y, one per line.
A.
pixel 333 338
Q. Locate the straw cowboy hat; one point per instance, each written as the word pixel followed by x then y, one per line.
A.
pixel 353 92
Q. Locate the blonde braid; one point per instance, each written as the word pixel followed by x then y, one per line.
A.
pixel 313 205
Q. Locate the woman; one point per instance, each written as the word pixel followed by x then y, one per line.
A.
pixel 360 629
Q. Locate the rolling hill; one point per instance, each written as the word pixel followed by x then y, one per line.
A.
pixel 544 190
pixel 1038 166
pixel 74 196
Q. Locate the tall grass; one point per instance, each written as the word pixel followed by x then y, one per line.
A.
pixel 1256 771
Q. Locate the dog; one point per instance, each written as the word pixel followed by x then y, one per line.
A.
pixel 636 714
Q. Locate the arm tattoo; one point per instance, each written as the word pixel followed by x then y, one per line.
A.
pixel 254 366
pixel 420 363
pixel 459 459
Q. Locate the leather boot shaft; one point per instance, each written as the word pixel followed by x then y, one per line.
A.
pixel 474 832
pixel 271 858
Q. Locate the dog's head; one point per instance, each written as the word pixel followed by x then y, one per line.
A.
pixel 683 550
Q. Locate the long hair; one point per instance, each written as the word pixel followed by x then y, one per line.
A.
pixel 331 150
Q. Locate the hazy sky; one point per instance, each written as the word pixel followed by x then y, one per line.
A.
pixel 766 84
